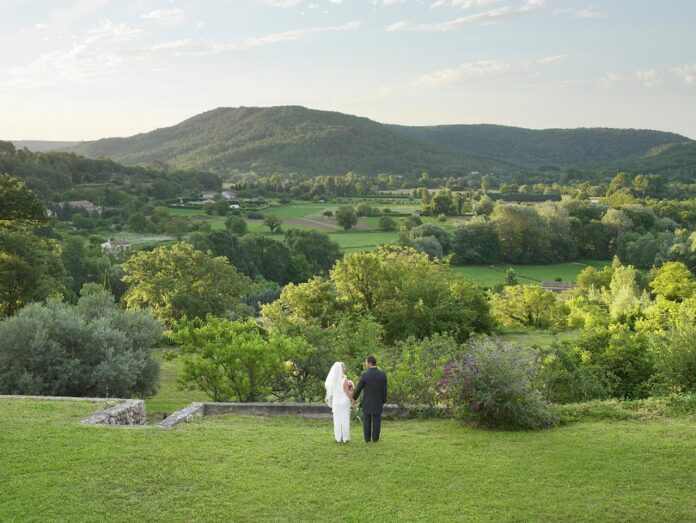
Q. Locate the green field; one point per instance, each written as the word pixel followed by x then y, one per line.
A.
pixel 351 241
pixel 492 275
pixel 290 469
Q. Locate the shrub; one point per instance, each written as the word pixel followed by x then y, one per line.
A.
pixel 234 359
pixel 491 384
pixel 416 368
pixel 387 223
pixel 442 217
pixel 90 349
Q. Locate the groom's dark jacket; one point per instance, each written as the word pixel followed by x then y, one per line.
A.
pixel 374 381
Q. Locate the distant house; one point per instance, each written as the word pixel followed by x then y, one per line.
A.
pixel 84 205
pixel 208 196
pixel 227 195
pixel 557 286
pixel 115 246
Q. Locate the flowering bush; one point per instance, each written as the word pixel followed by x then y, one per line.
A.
pixel 491 385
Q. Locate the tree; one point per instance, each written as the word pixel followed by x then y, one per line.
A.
pixel 315 246
pixel 484 206
pixel 346 217
pixel 363 209
pixel 522 234
pixel 91 349
pixel 137 222
pixel 387 223
pixel 236 225
pixel 273 260
pixel 31 269
pixel 475 242
pixel 443 203
pixel 181 281
pixel 233 360
pixel 273 223
pixel 18 204
pixel 406 292
pixel 674 282
pixel 528 306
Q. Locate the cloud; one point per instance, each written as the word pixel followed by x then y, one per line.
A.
pixel 588 12
pixel 283 4
pixel 193 48
pixel 610 80
pixel 95 55
pixel 686 72
pixel 461 4
pixel 477 69
pixel 554 59
pixel 648 77
pixel 490 16
pixel 163 15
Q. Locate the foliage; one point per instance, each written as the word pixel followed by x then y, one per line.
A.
pixel 31 269
pixel 387 223
pixel 491 384
pixel 18 204
pixel 272 222
pixel 416 368
pixel 528 306
pixel 316 247
pixel 236 225
pixel 346 217
pixel 674 282
pixel 181 281
pixel 475 242
pixel 91 349
pixel 285 140
pixel 233 359
pixel 404 290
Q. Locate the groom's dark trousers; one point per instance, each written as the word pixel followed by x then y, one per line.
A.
pixel 374 382
pixel 372 423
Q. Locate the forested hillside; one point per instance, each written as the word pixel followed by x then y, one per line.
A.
pixel 287 139
pixel 675 162
pixel 560 147
pixel 42 146
pixel 54 175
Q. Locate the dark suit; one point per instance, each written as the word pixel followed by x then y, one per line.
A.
pixel 374 382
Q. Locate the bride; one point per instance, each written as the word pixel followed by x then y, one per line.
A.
pixel 339 398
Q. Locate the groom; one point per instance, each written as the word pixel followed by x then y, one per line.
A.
pixel 374 381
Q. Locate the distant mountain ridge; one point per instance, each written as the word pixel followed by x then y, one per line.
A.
pixel 289 139
pixel 558 147
pixel 42 146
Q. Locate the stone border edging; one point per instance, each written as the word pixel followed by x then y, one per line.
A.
pixel 305 410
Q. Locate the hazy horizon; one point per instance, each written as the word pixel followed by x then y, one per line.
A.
pixel 90 69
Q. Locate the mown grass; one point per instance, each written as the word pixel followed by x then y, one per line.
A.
pixel 492 275
pixel 170 397
pixel 251 469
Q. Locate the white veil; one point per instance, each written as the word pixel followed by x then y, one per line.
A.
pixel 334 383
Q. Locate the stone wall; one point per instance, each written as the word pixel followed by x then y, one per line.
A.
pixel 305 410
pixel 130 412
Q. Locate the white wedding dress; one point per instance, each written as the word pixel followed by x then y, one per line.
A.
pixel 339 402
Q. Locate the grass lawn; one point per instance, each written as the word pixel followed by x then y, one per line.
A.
pixel 486 276
pixel 289 469
pixel 491 275
pixel 169 397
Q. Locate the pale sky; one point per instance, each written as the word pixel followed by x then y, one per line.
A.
pixel 87 69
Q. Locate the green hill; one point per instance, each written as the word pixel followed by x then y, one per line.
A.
pixel 559 147
pixel 676 162
pixel 287 139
